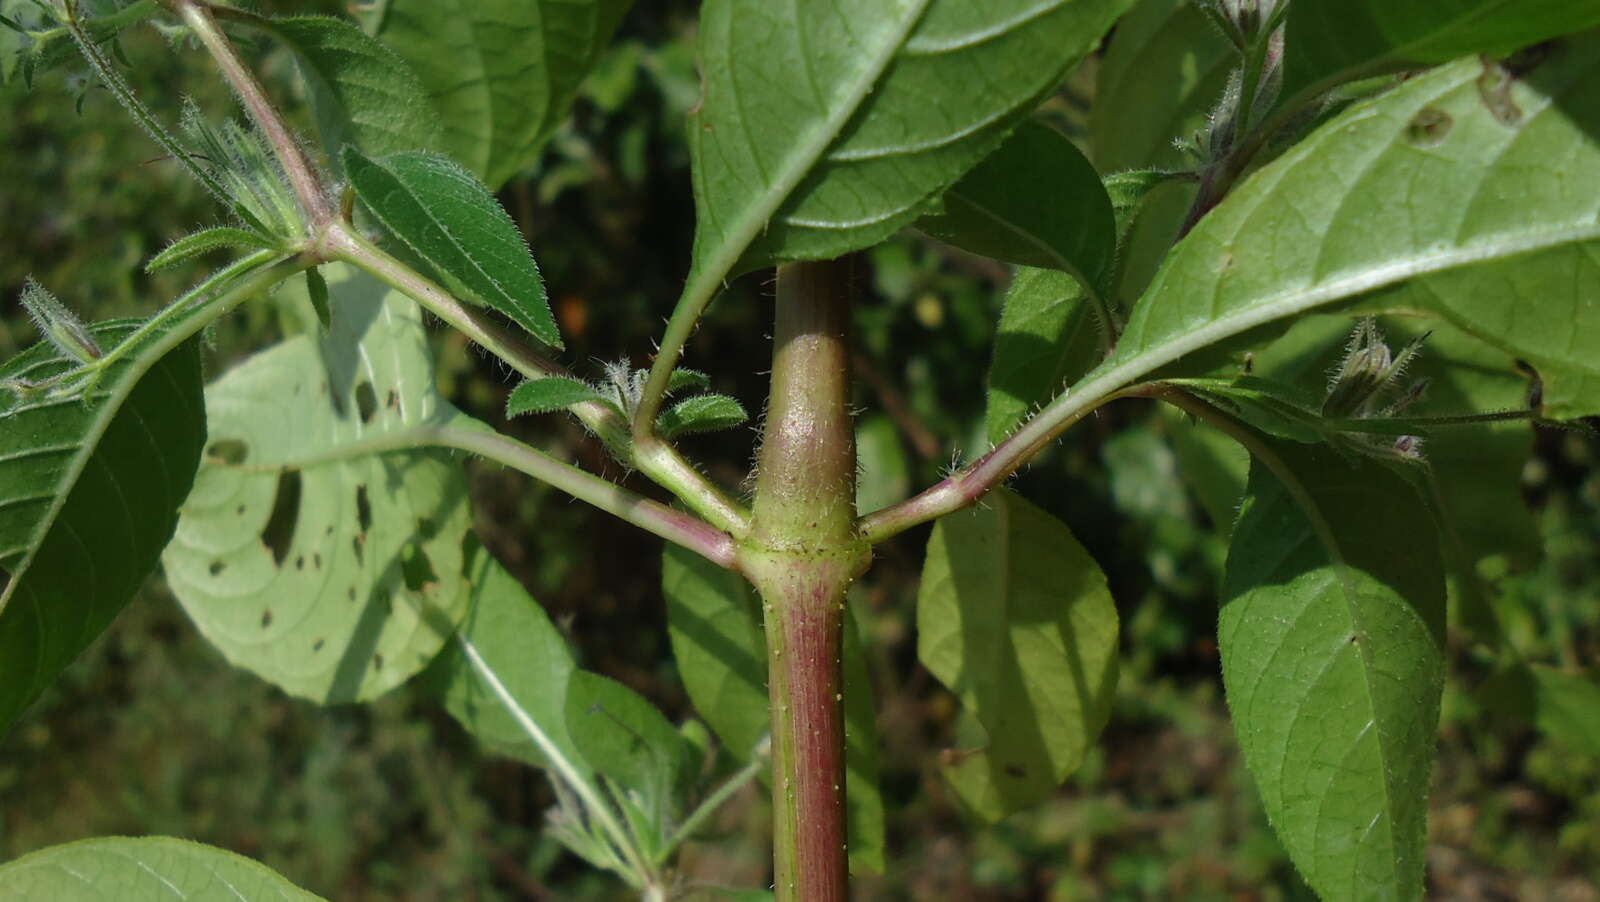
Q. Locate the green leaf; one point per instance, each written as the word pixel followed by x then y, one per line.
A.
pixel 1564 706
pixel 508 667
pixel 362 93
pixel 1164 69
pixel 203 242
pixel 885 476
pixel 1047 338
pixel 1214 467
pixel 1129 189
pixel 304 554
pixel 1015 618
pixel 317 295
pixel 824 128
pixel 549 394
pixel 449 218
pixel 1335 41
pixel 1332 634
pixel 1036 201
pixel 149 869
pixel 701 413
pixel 1495 242
pixel 501 72
pixel 714 622
pixel 683 378
pixel 89 494
pixel 630 742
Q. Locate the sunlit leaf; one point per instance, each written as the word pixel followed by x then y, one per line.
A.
pixel 147 869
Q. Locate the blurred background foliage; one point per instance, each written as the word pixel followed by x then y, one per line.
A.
pixel 152 733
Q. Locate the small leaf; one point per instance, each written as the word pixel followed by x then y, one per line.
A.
pixel 203 242
pixel 1015 618
pixel 90 490
pixel 502 73
pixel 150 869
pixel 329 569
pixel 448 217
pixel 1128 190
pixel 714 621
pixel 683 378
pixel 317 294
pixel 1332 634
pixel 1047 338
pixel 1035 201
pixel 549 394
pixel 362 93
pixel 1334 41
pixel 701 413
pixel 627 740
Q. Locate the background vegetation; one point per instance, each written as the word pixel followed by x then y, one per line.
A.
pixel 151 732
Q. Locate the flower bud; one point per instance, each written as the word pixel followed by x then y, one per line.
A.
pixel 57 324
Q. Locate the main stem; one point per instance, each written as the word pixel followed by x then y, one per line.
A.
pixel 802 552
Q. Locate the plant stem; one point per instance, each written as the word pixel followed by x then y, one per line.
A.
pixel 802 554
pixel 314 201
pixel 652 516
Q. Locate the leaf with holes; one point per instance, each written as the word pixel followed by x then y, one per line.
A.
pixel 1036 201
pixel 1504 249
pixel 1334 41
pixel 148 868
pixel 89 494
pixel 303 553
pixel 1015 617
pixel 449 218
pixel 825 127
pixel 1332 639
pixel 503 73
pixel 362 93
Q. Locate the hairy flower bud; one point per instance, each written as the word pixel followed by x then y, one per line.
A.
pixel 58 325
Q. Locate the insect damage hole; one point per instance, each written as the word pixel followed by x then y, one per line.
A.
pixel 227 451
pixel 366 401
pixel 278 534
pixel 1428 127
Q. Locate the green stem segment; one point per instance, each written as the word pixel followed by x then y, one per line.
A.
pixel 801 554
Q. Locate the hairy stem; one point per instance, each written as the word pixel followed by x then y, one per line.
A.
pixel 802 554
pixel 314 201
pixel 652 516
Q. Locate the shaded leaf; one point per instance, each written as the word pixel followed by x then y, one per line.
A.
pixel 627 740
pixel 332 570
pixel 89 492
pixel 714 621
pixel 1047 338
pixel 885 476
pixel 546 395
pixel 507 666
pixel 362 93
pixel 1334 41
pixel 149 869
pixel 449 218
pixel 502 73
pixel 701 413
pixel 1332 631
pixel 824 128
pixel 1015 618
pixel 1035 201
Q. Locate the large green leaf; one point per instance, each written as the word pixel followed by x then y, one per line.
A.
pixel 1047 338
pixel 333 571
pixel 1333 41
pixel 1332 634
pixel 501 72
pixel 714 621
pixel 1014 616
pixel 361 92
pixel 1164 69
pixel 146 869
pixel 89 494
pixel 449 218
pixel 1036 201
pixel 1422 202
pixel 825 127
